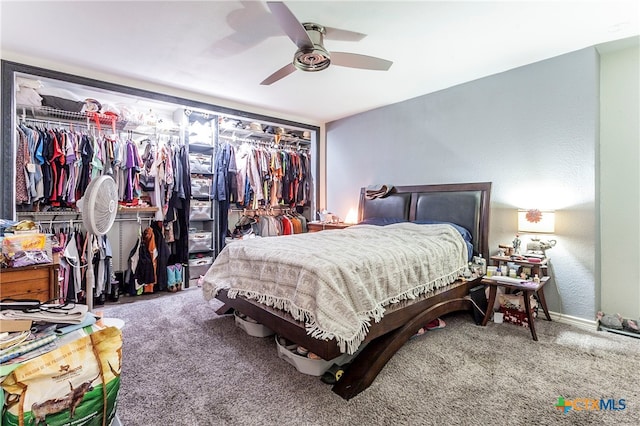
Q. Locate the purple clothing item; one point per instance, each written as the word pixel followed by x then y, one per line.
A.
pixel 130 160
pixel 131 168
pixel 70 149
pixel 26 258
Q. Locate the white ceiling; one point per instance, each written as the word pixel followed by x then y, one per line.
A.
pixel 226 48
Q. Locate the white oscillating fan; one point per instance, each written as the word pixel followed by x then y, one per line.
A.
pixel 99 207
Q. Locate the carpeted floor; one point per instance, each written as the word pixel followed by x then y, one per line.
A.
pixel 185 365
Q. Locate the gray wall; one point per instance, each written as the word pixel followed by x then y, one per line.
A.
pixel 532 131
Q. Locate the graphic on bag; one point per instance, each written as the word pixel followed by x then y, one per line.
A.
pixel 76 384
pixel 70 402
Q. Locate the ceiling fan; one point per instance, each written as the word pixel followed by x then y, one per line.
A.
pixel 311 54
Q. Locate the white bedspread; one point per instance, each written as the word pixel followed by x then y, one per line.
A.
pixel 338 281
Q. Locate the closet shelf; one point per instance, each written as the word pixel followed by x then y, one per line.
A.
pixel 134 210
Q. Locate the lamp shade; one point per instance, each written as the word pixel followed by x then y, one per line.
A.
pixel 352 216
pixel 536 221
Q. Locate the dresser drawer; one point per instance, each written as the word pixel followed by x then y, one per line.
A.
pixel 31 282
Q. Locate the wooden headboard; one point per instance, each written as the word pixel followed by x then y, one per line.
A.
pixel 465 204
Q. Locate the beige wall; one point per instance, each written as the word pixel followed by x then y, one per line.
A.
pixel 620 180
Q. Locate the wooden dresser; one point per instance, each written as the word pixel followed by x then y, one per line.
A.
pixel 29 282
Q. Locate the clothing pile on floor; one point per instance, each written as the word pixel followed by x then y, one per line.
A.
pixel 616 322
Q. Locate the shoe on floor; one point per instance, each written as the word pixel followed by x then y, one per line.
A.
pixel 631 325
pixel 435 324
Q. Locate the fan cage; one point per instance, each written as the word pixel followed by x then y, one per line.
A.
pixel 101 205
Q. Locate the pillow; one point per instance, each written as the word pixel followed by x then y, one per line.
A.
pixel 381 221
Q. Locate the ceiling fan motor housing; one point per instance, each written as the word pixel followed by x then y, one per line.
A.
pixel 317 58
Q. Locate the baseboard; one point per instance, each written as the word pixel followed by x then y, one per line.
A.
pixel 591 325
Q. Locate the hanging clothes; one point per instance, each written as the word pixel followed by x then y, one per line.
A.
pixel 145 269
pixel 86 154
pixel 132 164
pixel 272 177
pixel 178 202
pixel 22 160
pixel 224 188
pixel 72 257
pixel 132 286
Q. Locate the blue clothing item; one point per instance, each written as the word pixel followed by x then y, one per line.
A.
pixel 224 178
pixel 464 232
pixel 39 156
pixel 180 181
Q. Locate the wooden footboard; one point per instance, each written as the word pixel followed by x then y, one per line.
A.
pixel 385 338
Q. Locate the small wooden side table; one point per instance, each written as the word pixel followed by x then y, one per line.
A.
pixel 539 268
pixel 321 226
pixel 528 290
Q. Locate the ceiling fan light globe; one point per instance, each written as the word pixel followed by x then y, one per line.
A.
pixel 316 59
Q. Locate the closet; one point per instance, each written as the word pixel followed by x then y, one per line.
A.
pixel 262 172
pixel 171 159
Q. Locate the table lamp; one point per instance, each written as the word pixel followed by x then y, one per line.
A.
pixel 536 221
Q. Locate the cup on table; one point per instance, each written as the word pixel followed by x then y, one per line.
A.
pixel 491 270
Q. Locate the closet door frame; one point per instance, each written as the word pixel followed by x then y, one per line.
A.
pixel 8 111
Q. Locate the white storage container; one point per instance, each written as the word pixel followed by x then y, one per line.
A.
pixel 203 138
pixel 312 367
pixel 199 266
pixel 200 187
pixel 251 328
pixel 200 210
pixel 200 241
pixel 200 163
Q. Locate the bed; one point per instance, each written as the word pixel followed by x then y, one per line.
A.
pixel 398 313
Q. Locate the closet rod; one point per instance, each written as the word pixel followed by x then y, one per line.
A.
pixel 269 209
pixel 69 123
pixel 79 221
pixel 265 143
pixel 59 122
pixel 92 126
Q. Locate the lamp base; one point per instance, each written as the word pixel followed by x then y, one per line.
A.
pixel 537 246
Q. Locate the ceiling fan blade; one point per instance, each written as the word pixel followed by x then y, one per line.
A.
pixel 290 24
pixel 281 73
pixel 354 60
pixel 342 35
